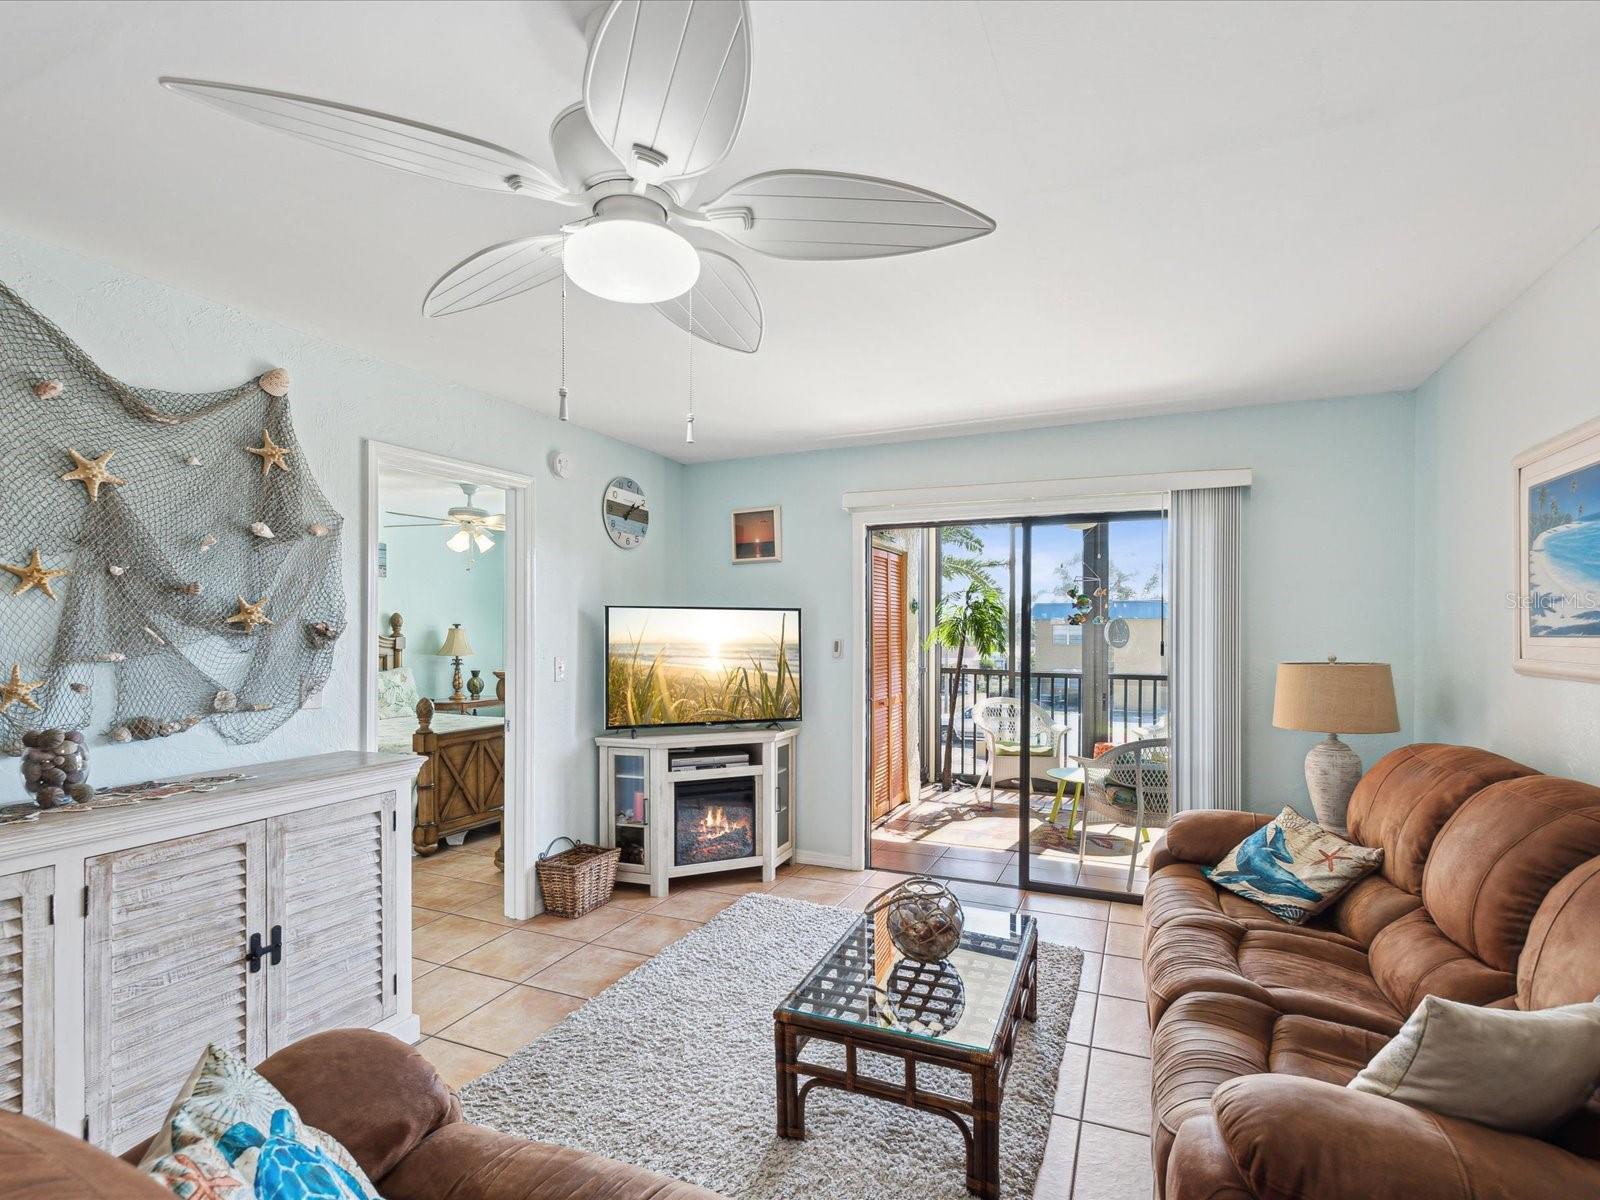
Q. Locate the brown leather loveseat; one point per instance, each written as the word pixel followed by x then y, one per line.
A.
pixel 385 1103
pixel 1489 894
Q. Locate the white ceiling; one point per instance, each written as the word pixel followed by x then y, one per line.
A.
pixel 1198 205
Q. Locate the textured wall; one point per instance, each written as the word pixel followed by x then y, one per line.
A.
pixel 1328 555
pixel 1531 374
pixel 151 334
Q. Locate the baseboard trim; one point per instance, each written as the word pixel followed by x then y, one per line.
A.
pixel 809 858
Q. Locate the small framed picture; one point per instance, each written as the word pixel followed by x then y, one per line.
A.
pixel 758 534
pixel 1557 586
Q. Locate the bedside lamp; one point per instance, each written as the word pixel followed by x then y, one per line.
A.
pixel 455 647
pixel 1333 698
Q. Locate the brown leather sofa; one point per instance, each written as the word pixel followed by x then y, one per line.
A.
pixel 1489 894
pixel 385 1103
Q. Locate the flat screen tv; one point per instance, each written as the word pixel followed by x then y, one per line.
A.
pixel 701 666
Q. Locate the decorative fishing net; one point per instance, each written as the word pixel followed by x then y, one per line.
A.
pixel 157 564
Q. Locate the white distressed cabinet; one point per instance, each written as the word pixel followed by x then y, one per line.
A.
pixel 27 993
pixel 251 917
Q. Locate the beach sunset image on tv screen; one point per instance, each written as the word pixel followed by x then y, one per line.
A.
pixel 701 666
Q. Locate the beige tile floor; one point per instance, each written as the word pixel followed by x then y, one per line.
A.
pixel 486 986
pixel 957 835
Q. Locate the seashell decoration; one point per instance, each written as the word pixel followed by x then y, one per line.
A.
pixel 318 529
pixel 262 530
pixel 322 633
pixel 193 461
pixel 193 588
pixel 261 708
pixel 142 729
pixel 155 637
pixel 224 701
pixel 47 389
pixel 275 383
pixel 191 721
pixel 115 656
pixel 168 728
pixel 115 570
pixel 207 542
pixel 81 688
pixel 121 734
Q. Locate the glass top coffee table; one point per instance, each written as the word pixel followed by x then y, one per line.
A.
pixel 961 1015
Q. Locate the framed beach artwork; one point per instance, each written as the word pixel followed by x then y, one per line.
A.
pixel 1557 593
pixel 758 534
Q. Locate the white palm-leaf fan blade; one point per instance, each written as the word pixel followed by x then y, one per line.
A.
pixel 379 137
pixel 829 215
pixel 666 83
pixel 497 273
pixel 391 512
pixel 418 525
pixel 496 522
pixel 727 310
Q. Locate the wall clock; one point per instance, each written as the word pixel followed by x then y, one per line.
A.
pixel 625 512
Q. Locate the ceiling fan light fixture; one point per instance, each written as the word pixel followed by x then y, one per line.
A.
pixel 628 254
pixel 460 541
pixel 483 542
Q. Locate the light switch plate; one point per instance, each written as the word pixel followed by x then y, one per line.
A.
pixel 561 669
pixel 838 648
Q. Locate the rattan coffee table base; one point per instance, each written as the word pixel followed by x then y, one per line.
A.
pixel 978 1118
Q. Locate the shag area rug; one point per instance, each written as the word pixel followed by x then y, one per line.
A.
pixel 671 1068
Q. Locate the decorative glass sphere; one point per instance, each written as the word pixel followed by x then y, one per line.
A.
pixel 925 919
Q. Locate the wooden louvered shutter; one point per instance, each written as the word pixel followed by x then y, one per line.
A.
pixel 895 620
pixel 878 683
pixel 330 884
pixel 169 928
pixel 27 994
pixel 888 681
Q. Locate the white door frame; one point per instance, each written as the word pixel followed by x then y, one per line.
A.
pixel 521 892
pixel 975 503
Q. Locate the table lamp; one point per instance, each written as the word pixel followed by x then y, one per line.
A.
pixel 1334 697
pixel 456 647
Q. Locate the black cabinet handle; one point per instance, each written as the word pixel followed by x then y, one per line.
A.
pixel 272 951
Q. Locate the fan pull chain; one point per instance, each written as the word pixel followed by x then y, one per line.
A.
pixel 688 427
pixel 565 412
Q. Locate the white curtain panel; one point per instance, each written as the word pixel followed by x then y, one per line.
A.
pixel 1205 705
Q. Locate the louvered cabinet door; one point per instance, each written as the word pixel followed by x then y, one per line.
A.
pixel 167 971
pixel 27 994
pixel 330 887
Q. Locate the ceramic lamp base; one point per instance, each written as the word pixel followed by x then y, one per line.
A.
pixel 1332 772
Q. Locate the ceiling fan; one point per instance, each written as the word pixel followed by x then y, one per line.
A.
pixel 472 524
pixel 664 93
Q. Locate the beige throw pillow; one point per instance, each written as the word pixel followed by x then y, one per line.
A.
pixel 1502 1067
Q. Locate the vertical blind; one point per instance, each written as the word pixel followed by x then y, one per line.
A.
pixel 1206 667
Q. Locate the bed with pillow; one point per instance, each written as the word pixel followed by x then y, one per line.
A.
pixel 462 784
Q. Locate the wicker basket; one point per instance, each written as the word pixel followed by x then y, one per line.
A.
pixel 576 881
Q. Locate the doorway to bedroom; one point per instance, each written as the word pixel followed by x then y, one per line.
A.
pixel 447 573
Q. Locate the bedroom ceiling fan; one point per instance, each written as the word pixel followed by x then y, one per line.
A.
pixel 472 525
pixel 664 93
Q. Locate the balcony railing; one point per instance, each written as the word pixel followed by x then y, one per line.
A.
pixel 1136 701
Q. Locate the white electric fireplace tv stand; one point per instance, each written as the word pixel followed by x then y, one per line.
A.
pixel 674 818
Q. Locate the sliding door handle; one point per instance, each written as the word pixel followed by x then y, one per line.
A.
pixel 271 951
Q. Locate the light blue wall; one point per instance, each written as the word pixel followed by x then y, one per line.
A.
pixel 1328 555
pixel 155 335
pixel 1533 373
pixel 428 584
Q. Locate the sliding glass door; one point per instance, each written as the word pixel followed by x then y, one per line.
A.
pixel 1091 668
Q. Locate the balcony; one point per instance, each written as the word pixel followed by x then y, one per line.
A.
pixel 956 834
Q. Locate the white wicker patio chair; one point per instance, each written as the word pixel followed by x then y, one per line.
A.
pixel 1129 784
pixel 999 722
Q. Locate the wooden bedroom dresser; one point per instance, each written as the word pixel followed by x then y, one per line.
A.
pixel 250 916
